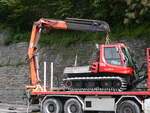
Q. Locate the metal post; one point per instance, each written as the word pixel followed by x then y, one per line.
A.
pixel 52 74
pixel 75 62
pixel 44 76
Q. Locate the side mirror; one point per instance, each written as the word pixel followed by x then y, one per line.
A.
pixel 117 49
pixel 97 46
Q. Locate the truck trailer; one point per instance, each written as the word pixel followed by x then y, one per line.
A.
pixel 105 92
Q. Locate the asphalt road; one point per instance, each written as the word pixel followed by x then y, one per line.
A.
pixel 15 108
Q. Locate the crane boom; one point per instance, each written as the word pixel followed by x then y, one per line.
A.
pixel 67 24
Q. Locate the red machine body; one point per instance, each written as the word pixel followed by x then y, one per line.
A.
pixel 103 64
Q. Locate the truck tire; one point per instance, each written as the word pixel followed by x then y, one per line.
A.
pixel 72 106
pixel 52 105
pixel 128 106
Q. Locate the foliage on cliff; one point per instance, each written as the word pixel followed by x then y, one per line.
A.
pixel 126 17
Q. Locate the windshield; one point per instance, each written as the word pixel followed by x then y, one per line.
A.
pixel 112 56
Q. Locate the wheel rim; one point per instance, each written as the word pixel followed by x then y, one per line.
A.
pixel 127 109
pixel 52 105
pixel 51 108
pixel 116 84
pixel 106 84
pixel 73 108
pixel 68 84
pixel 72 105
pixel 90 84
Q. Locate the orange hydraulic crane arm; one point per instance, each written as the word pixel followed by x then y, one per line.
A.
pixel 32 50
pixel 69 23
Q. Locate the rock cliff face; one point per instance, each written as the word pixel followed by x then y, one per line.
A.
pixel 14 71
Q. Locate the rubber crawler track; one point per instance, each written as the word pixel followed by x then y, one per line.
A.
pixel 99 79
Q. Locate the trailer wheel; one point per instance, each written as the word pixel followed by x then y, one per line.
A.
pixel 52 106
pixel 128 106
pixel 72 106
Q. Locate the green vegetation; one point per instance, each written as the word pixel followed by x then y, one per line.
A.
pixel 130 32
pixel 127 18
pixel 70 37
pixel 17 37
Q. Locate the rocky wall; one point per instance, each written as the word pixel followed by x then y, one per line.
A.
pixel 14 70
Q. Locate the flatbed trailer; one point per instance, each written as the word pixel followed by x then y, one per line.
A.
pixel 59 100
pixel 144 93
pixel 118 102
pixel 89 100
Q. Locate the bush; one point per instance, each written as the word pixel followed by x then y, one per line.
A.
pixel 19 15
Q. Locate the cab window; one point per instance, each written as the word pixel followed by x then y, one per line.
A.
pixel 112 56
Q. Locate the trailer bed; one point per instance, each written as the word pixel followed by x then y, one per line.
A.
pixel 144 93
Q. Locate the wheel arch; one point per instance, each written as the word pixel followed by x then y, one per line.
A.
pixel 66 97
pixel 133 98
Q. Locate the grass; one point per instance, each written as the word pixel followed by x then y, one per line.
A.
pixel 18 37
pixel 131 32
pixel 70 37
